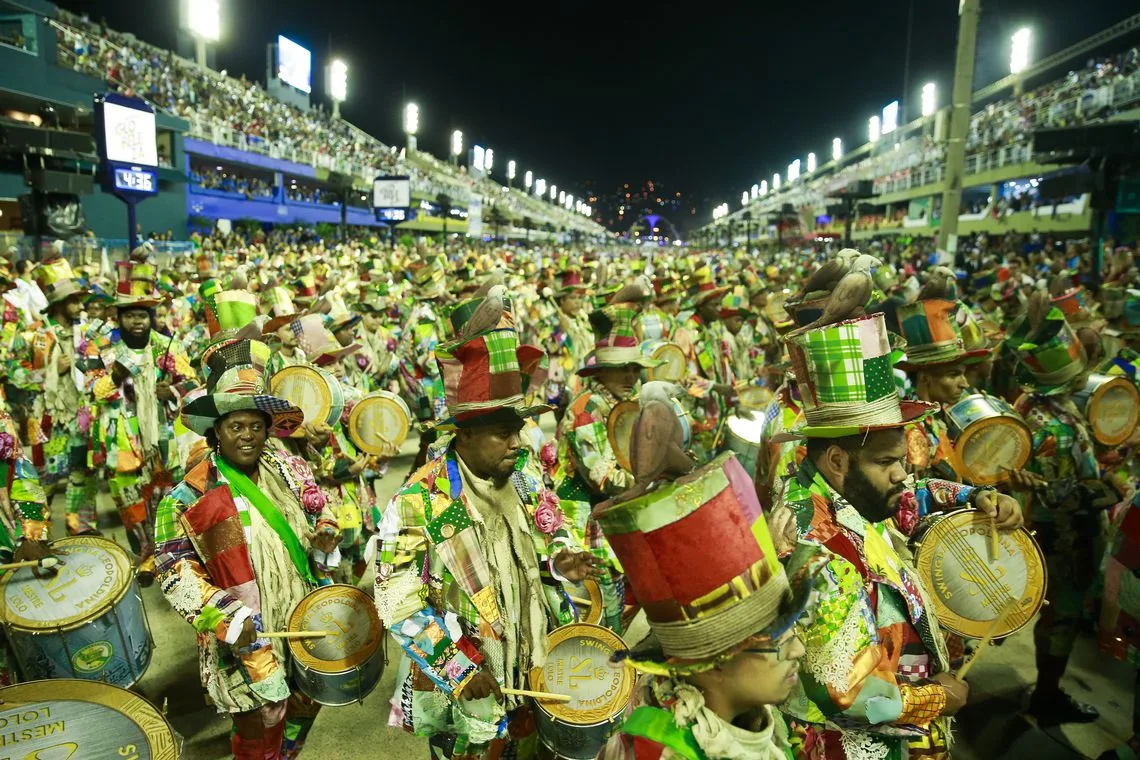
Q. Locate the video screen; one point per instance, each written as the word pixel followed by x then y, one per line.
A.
pixel 130 135
pixel 294 64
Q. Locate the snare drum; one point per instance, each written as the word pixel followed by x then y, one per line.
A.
pixel 673 365
pixel 379 422
pixel 315 391
pixel 87 621
pixel 66 719
pixel 753 397
pixel 578 664
pixel 968 586
pixel 1111 404
pixel 990 438
pixel 619 429
pixel 343 668
pixel 744 435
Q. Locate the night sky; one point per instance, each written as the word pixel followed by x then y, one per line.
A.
pixel 624 92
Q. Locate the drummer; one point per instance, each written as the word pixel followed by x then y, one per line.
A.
pixel 588 471
pixel 289 542
pixel 1065 500
pixel 743 357
pixel 568 336
pixel 877 671
pixel 471 553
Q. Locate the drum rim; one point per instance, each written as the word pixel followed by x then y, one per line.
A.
pixel 299 369
pixel 330 667
pixel 1024 536
pixel 623 458
pixel 1094 400
pixel 654 373
pixel 127 703
pixel 75 621
pixel 375 397
pixel 597 715
pixel 597 601
pixel 969 434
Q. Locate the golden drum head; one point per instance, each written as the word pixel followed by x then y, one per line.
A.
pixel 673 367
pixel 968 585
pixel 578 664
pixel 990 438
pixel 1112 409
pixel 619 427
pixel 379 423
pixel 755 397
pixel 350 615
pixel 316 392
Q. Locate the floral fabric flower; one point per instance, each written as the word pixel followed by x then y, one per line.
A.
pixel 548 517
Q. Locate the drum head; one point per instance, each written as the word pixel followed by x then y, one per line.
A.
pixel 65 718
pixel 674 367
pixel 755 397
pixel 748 429
pixel 306 388
pixel 379 422
pixel 94 575
pixel 350 615
pixel 990 448
pixel 1113 411
pixel 578 664
pixel 619 427
pixel 969 586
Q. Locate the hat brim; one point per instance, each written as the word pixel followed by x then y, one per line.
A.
pixel 972 356
pixel 593 369
pixel 137 302
pixel 912 411
pixel 705 295
pixel 276 323
pixel 65 292
pixel 200 414
pixel 459 421
pixel 352 321
pixel 328 357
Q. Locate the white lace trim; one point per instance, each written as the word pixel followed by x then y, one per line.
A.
pixel 396 596
pixel 858 745
pixel 833 662
pixel 185 593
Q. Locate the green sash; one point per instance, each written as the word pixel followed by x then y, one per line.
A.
pixel 658 725
pixel 240 484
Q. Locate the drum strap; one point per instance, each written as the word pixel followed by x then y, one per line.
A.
pixel 658 725
pixel 240 482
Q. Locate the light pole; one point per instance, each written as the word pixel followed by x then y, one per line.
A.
pixel 1019 57
pixel 411 125
pixel 488 160
pixel 202 18
pixel 337 84
pixel 959 124
pixel 456 146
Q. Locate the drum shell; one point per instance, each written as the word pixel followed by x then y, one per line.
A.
pixel 651 349
pixel 572 741
pixel 1087 400
pixel 340 688
pixel 979 407
pixel 747 451
pixel 330 383
pixel 358 409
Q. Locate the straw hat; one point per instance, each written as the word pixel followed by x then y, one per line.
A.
pixel 933 335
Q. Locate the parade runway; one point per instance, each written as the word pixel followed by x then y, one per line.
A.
pixel 989 728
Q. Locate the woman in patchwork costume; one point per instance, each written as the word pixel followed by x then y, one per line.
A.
pixel 241 540
pixel 472 551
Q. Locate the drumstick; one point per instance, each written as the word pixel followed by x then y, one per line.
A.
pixel 545 696
pixel 995 547
pixel 1009 605
pixel 579 600
pixel 45 563
pixel 295 634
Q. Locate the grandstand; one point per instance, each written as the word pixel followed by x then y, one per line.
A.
pixel 906 167
pixel 231 151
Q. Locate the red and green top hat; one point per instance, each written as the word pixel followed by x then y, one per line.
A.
pixel 700 561
pixel 701 285
pixel 1053 358
pixel 489 372
pixel 56 280
pixel 616 342
pixel 933 335
pixel 235 372
pixel 1078 308
pixel 428 278
pixel 570 281
pixel 735 303
pixel 846 381
pixel 666 289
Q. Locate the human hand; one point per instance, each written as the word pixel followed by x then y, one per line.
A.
pixel 317 433
pixel 1024 480
pixel 325 541
pixel 359 464
pixel 163 391
pixel 30 551
pixel 63 363
pixel 119 373
pixel 957 692
pixel 482 685
pixel 248 634
pixel 1005 509
pixel 577 566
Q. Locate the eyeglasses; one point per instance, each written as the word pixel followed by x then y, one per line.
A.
pixel 781 648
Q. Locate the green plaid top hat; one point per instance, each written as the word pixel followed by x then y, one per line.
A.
pixel 933 335
pixel 845 380
pixel 1052 358
pixel 56 280
pixel 488 372
pixel 616 342
pixel 236 383
pixel 701 286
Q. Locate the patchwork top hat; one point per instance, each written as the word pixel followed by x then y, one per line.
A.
pixel 486 371
pixel 933 335
pixel 616 342
pixel 317 342
pixel 236 383
pixel 56 280
pixel 428 278
pixel 1077 306
pixel 735 303
pixel 278 304
pixel 705 606
pixel 701 286
pixel 845 380
pixel 1051 357
pixel 138 285
pixel 230 314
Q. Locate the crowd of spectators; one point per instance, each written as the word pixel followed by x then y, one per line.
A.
pixel 230 181
pixel 13 35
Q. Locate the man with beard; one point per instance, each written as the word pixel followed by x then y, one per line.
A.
pixel 588 472
pixel 138 377
pixel 875 676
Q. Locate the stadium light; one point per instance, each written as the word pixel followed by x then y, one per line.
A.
pixel 528 179
pixel 873 128
pixel 755 191
pixel 569 201
pixel 456 144
pixel 890 121
pixel 793 171
pixel 203 18
pixel 478 157
pixel 411 119
pixel 744 198
pixel 1019 51
pixel 836 149
pixel 763 187
pixel 338 81
pixel 553 192
pixel 539 187
pixel 488 160
pixel 929 99
pixel 775 182
pixel 511 167
pixel 561 196
pixel 811 163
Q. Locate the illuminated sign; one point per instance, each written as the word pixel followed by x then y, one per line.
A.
pixel 294 64
pixel 392 214
pixel 135 180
